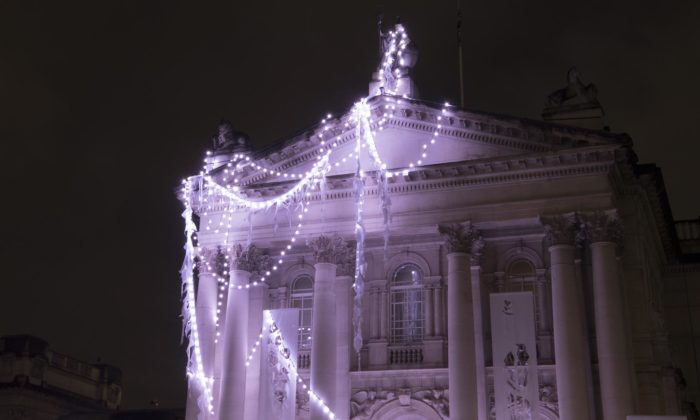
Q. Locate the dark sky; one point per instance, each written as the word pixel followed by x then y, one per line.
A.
pixel 106 105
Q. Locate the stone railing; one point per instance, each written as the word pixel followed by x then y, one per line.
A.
pixel 304 359
pixel 406 355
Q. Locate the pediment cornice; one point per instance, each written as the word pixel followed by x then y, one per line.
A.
pixel 516 136
pixel 529 168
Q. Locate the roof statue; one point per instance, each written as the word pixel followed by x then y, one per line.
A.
pixel 576 104
pixel 398 57
pixel 228 140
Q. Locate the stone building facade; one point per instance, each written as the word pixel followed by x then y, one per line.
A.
pixel 499 205
pixel 38 383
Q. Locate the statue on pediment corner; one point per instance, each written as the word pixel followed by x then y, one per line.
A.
pixel 228 140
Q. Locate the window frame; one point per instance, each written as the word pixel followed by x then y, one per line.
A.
pixel 412 297
pixel 304 297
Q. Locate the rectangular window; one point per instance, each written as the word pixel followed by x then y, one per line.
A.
pixel 406 315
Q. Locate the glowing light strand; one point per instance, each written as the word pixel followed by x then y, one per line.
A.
pixel 195 367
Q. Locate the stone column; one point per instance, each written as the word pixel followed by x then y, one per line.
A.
pixel 569 337
pixel 604 232
pixel 328 252
pixel 462 242
pixel 235 346
pixel 258 302
pixel 482 403
pixel 343 291
pixel 210 267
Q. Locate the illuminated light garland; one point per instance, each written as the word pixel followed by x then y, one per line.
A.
pixel 387 77
pixel 318 170
pixel 195 368
pixel 255 347
pixel 210 190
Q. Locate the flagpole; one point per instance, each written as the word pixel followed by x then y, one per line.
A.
pixel 459 53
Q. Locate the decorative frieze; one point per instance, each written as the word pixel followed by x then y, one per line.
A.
pixel 463 237
pixel 250 258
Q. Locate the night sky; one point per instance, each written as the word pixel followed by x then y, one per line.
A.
pixel 106 105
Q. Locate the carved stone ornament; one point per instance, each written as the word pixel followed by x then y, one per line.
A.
pixel 462 237
pixel 250 259
pixel 330 249
pixel 364 404
pixel 601 226
pixel 560 229
pixel 212 261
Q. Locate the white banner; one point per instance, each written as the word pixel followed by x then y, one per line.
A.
pixel 514 356
pixel 278 375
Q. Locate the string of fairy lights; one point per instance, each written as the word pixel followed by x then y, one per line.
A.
pixel 206 192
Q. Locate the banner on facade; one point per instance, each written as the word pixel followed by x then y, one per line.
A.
pixel 278 375
pixel 514 343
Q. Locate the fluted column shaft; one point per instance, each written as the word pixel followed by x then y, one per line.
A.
pixel 460 336
pixel 235 348
pixel 613 358
pixel 569 338
pixel 324 342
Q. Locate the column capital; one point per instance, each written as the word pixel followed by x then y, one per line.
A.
pixel 250 258
pixel 601 226
pixel 463 237
pixel 213 261
pixel 331 249
pixel 560 229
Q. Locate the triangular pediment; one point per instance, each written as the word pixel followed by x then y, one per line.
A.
pixel 419 134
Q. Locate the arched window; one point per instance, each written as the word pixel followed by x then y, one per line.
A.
pixel 407 305
pixel 302 298
pixel 521 277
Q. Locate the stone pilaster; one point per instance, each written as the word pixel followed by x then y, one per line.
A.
pixel 279 297
pixel 464 246
pixel 604 232
pixel 329 252
pixel 244 262
pixel 569 337
pixel 378 343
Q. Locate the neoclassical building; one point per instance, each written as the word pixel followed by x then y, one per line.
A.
pixel 510 268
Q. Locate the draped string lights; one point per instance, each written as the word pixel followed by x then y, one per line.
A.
pixel 226 189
